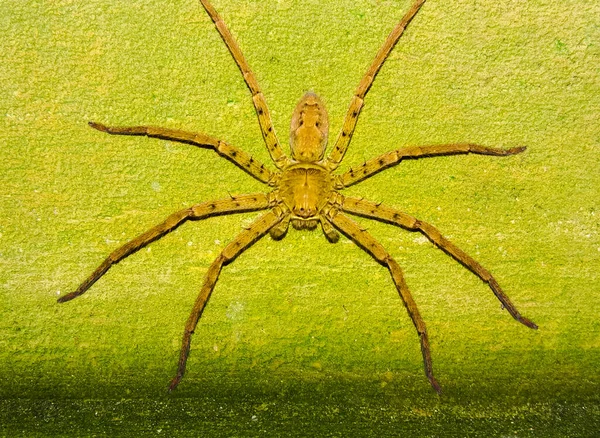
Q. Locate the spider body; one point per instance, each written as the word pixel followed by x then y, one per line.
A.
pixel 305 184
pixel 309 129
pixel 305 192
pixel 305 188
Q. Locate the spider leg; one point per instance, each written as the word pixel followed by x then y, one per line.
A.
pixel 363 239
pixel 386 214
pixel 233 154
pixel 392 158
pixel 244 240
pixel 238 204
pixel 343 140
pixel 260 104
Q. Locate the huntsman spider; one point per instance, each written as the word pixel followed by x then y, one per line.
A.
pixel 305 191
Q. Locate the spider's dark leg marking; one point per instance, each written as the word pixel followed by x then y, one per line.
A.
pixel 392 158
pixel 240 204
pixel 386 214
pixel 244 240
pixel 363 239
pixel 343 140
pixel 233 154
pixel 262 111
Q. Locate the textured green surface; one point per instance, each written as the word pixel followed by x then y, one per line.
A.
pixel 301 337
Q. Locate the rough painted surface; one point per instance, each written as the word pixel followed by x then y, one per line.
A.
pixel 301 336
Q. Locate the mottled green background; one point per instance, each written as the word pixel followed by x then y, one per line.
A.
pixel 301 337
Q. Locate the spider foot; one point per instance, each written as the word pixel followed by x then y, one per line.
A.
pixel 506 304
pixel 98 126
pixel 69 296
pixel 527 322
pixel 174 382
pixel 435 384
pixel 515 150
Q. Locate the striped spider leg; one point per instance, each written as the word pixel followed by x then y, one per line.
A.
pixel 246 238
pixel 260 104
pixel 343 141
pixel 372 210
pixel 236 204
pixel 364 240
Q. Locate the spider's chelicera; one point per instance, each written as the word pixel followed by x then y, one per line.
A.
pixel 305 191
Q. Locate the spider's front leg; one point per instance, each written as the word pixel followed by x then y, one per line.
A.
pixel 238 204
pixel 382 213
pixel 363 239
pixel 245 239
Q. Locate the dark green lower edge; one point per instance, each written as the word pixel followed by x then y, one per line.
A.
pixel 318 406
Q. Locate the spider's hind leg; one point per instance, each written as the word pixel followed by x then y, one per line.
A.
pixel 345 135
pixel 262 111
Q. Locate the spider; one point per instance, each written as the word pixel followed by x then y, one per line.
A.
pixel 305 191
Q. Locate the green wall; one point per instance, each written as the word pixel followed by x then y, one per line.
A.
pixel 301 337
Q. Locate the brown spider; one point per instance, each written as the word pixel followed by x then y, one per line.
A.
pixel 305 191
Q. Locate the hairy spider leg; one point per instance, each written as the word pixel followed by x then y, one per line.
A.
pixel 238 204
pixel 345 135
pixel 382 213
pixel 243 241
pixel 364 240
pixel 233 154
pixel 260 104
pixel 392 158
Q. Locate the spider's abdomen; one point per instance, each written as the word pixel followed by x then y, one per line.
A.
pixel 305 189
pixel 309 129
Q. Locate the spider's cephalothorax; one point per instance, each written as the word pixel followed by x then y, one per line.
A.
pixel 305 191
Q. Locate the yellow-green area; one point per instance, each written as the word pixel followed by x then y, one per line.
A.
pixel 301 337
